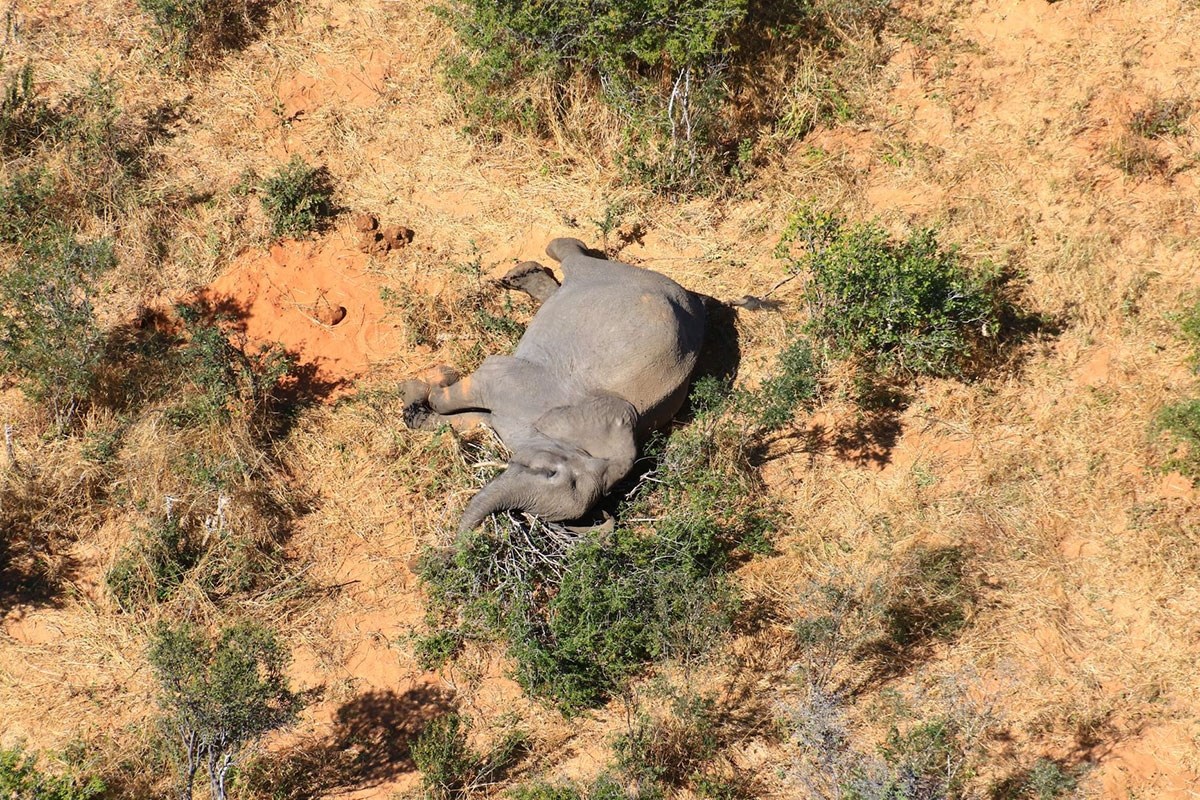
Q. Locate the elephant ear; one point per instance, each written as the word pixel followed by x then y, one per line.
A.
pixel 603 425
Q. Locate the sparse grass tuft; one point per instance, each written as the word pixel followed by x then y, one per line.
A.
pixel 899 307
pixel 1135 156
pixel 297 198
pixel 1161 118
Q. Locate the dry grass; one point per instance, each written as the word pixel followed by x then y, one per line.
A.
pixel 1081 558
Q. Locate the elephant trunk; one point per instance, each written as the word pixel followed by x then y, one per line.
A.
pixel 502 493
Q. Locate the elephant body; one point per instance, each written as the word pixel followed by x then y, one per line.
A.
pixel 605 361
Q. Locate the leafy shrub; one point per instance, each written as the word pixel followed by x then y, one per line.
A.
pixel 297 198
pixel 49 336
pixel 153 567
pixel 1189 325
pixel 905 307
pixel 582 613
pixel 218 697
pixel 1181 422
pixel 450 768
pixel 928 759
pixel 227 376
pixel 192 29
pixel 665 68
pixel 22 780
pixel 675 749
pixel 794 385
pixel 25 119
pixel 25 208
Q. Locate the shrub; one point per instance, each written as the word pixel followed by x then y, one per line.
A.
pixel 191 29
pixel 297 198
pixel 153 566
pixel 1189 325
pixel 25 119
pixel 794 385
pixel 906 307
pixel 1181 422
pixel 450 768
pixel 48 332
pixel 675 749
pixel 581 613
pixel 219 697
pixel 22 780
pixel 228 377
pixel 666 69
pixel 25 205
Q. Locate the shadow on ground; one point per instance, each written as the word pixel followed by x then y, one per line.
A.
pixel 369 745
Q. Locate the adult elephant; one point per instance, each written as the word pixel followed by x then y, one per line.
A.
pixel 605 361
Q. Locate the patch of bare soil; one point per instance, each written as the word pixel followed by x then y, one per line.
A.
pixel 317 299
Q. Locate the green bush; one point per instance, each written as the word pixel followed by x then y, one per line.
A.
pixel 20 779
pixel 793 385
pixel 153 566
pixel 901 307
pixel 450 768
pixel 218 697
pixel 667 69
pixel 226 376
pixel 25 205
pixel 49 337
pixel 191 29
pixel 582 613
pixel 298 198
pixel 1181 422
pixel 25 119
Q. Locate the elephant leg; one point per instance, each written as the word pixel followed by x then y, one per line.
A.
pixel 416 391
pixel 463 422
pixel 462 395
pixel 531 278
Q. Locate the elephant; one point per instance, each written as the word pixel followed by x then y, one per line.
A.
pixel 605 361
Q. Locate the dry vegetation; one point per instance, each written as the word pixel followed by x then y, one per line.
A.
pixel 981 580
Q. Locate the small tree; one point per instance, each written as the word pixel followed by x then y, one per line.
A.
pixel 49 336
pixel 220 697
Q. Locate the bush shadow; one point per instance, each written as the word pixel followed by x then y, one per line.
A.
pixel 143 362
pixel 36 564
pixel 369 745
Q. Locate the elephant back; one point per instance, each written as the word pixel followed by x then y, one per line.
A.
pixel 617 328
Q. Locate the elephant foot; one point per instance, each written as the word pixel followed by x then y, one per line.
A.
pixel 531 278
pixel 415 392
pixel 417 416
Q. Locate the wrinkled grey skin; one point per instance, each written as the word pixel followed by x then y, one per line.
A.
pixel 605 361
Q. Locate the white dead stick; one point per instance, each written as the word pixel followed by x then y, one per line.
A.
pixel 8 444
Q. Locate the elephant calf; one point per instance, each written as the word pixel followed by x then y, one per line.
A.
pixel 605 361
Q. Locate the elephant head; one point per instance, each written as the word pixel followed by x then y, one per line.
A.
pixel 574 455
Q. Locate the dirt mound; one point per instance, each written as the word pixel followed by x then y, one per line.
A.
pixel 316 299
